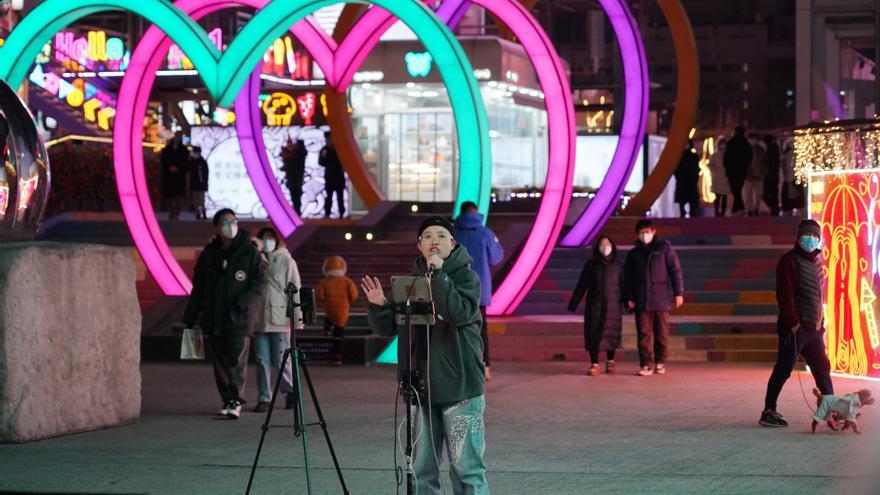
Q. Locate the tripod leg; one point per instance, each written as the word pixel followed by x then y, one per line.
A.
pixel 299 412
pixel 265 427
pixel 305 371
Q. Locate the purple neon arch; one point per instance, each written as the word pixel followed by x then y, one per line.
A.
pixel 632 133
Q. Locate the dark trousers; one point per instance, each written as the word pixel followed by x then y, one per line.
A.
pixel 337 332
pixel 484 333
pixel 720 205
pixel 694 208
pixel 229 354
pixel 653 330
pixel 328 201
pixel 594 355
pixel 737 187
pixel 296 197
pixel 810 345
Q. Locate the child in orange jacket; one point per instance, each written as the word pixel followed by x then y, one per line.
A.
pixel 337 292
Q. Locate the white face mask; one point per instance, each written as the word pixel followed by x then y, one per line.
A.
pixel 605 250
pixel 646 237
pixel 268 245
pixel 230 231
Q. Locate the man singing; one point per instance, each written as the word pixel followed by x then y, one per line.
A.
pixel 455 375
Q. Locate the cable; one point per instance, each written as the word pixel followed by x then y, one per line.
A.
pixel 421 429
pixel 398 472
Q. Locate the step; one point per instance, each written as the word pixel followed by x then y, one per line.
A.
pixel 692 309
pixel 572 324
pixel 725 297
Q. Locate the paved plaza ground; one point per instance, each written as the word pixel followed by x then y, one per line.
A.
pixel 550 430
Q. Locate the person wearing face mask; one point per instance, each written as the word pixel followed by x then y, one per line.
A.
pixel 600 282
pixel 801 325
pixel 649 268
pixel 272 336
pixel 226 298
pixel 451 412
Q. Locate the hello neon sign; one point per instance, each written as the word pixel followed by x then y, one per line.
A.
pixel 94 51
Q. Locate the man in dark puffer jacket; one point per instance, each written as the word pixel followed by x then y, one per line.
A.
pixel 226 301
pixel 800 325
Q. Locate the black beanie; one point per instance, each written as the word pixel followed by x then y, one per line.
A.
pixel 809 226
pixel 438 221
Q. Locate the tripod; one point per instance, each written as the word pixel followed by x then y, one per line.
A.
pixel 298 357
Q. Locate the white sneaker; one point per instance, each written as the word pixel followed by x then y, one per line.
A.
pixel 233 409
pixel 224 410
pixel 646 371
pixel 660 369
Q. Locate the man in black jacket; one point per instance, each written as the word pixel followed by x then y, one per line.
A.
pixel 225 300
pixel 334 178
pixel 737 157
pixel 649 268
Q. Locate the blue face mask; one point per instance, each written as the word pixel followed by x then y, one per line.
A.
pixel 809 243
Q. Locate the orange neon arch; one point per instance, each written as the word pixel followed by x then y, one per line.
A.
pixel 687 95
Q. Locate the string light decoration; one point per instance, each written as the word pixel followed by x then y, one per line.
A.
pixel 706 193
pixel 829 147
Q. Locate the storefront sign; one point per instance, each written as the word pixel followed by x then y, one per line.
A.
pixel 418 64
pixel 366 76
pixel 306 105
pixel 177 60
pixel 94 51
pixel 279 108
pixel 283 61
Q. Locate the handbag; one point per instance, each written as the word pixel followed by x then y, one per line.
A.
pixel 192 344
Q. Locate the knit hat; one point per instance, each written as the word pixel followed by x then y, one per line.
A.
pixel 809 226
pixel 438 221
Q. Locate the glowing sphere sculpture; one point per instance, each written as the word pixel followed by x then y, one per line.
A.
pixel 24 169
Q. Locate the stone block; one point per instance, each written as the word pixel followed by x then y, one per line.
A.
pixel 70 330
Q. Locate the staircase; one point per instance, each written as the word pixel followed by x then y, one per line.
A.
pixel 69 118
pixel 730 304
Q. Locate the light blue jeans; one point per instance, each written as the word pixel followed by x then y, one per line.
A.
pixel 459 426
pixel 269 348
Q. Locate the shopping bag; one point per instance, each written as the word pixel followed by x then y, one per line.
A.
pixel 191 344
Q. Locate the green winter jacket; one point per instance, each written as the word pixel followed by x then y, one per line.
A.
pixel 457 370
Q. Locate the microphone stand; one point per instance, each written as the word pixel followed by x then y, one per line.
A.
pixel 406 309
